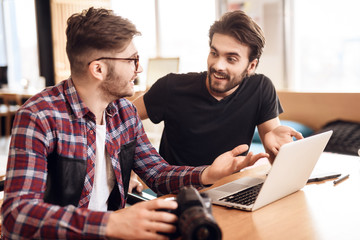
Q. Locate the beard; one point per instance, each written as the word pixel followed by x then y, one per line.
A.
pixel 231 82
pixel 114 87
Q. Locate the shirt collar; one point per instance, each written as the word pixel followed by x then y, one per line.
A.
pixel 77 105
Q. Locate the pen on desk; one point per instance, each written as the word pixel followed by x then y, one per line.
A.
pixel 341 179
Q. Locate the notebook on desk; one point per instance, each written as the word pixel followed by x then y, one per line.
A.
pixel 289 173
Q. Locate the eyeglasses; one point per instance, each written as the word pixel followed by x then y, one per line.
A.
pixel 136 60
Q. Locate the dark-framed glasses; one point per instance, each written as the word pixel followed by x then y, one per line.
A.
pixel 135 59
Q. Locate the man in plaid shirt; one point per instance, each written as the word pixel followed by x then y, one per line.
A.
pixel 74 145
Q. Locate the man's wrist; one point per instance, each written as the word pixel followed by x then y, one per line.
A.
pixel 204 177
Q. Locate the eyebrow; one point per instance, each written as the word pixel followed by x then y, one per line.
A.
pixel 228 53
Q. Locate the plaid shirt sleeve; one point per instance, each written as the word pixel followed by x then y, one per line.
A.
pixel 24 213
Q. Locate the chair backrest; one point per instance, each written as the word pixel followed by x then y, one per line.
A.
pixel 159 67
pixel 11 103
pixel 11 99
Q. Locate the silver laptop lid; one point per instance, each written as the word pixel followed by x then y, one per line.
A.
pixel 292 168
pixel 290 171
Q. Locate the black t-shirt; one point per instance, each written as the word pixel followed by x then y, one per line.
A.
pixel 197 127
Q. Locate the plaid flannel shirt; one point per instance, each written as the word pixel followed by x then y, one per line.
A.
pixel 56 120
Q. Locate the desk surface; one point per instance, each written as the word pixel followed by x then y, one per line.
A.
pixel 318 211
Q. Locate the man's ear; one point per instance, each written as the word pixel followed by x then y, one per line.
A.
pixel 252 67
pixel 97 69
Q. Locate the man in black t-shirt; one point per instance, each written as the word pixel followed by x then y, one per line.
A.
pixel 199 127
pixel 206 114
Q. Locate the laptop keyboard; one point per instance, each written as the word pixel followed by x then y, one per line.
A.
pixel 244 197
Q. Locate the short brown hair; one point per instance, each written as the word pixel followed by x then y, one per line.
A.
pixel 240 26
pixel 93 31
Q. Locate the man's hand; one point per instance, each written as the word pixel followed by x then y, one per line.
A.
pixel 142 221
pixel 228 163
pixel 280 135
pixel 134 183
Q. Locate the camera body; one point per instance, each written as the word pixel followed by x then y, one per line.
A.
pixel 195 219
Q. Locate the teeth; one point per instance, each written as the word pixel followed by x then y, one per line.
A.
pixel 219 76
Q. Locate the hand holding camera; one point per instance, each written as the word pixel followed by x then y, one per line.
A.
pixel 189 217
pixel 195 219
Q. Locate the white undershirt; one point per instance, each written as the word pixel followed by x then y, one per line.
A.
pixel 104 178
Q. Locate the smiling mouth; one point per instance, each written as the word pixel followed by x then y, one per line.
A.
pixel 220 76
pixel 133 79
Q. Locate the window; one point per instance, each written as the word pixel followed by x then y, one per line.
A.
pixel 311 45
pixel 144 19
pixel 182 31
pixel 19 38
pixel 326 45
pixel 165 33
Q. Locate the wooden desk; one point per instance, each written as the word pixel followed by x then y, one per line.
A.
pixel 318 211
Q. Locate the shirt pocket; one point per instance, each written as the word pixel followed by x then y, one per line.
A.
pixel 65 180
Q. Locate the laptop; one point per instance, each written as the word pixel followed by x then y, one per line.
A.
pixel 289 173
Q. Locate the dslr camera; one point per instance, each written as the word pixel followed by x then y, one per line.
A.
pixel 195 219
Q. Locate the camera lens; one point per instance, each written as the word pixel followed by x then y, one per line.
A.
pixel 207 232
pixel 196 223
pixel 202 233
